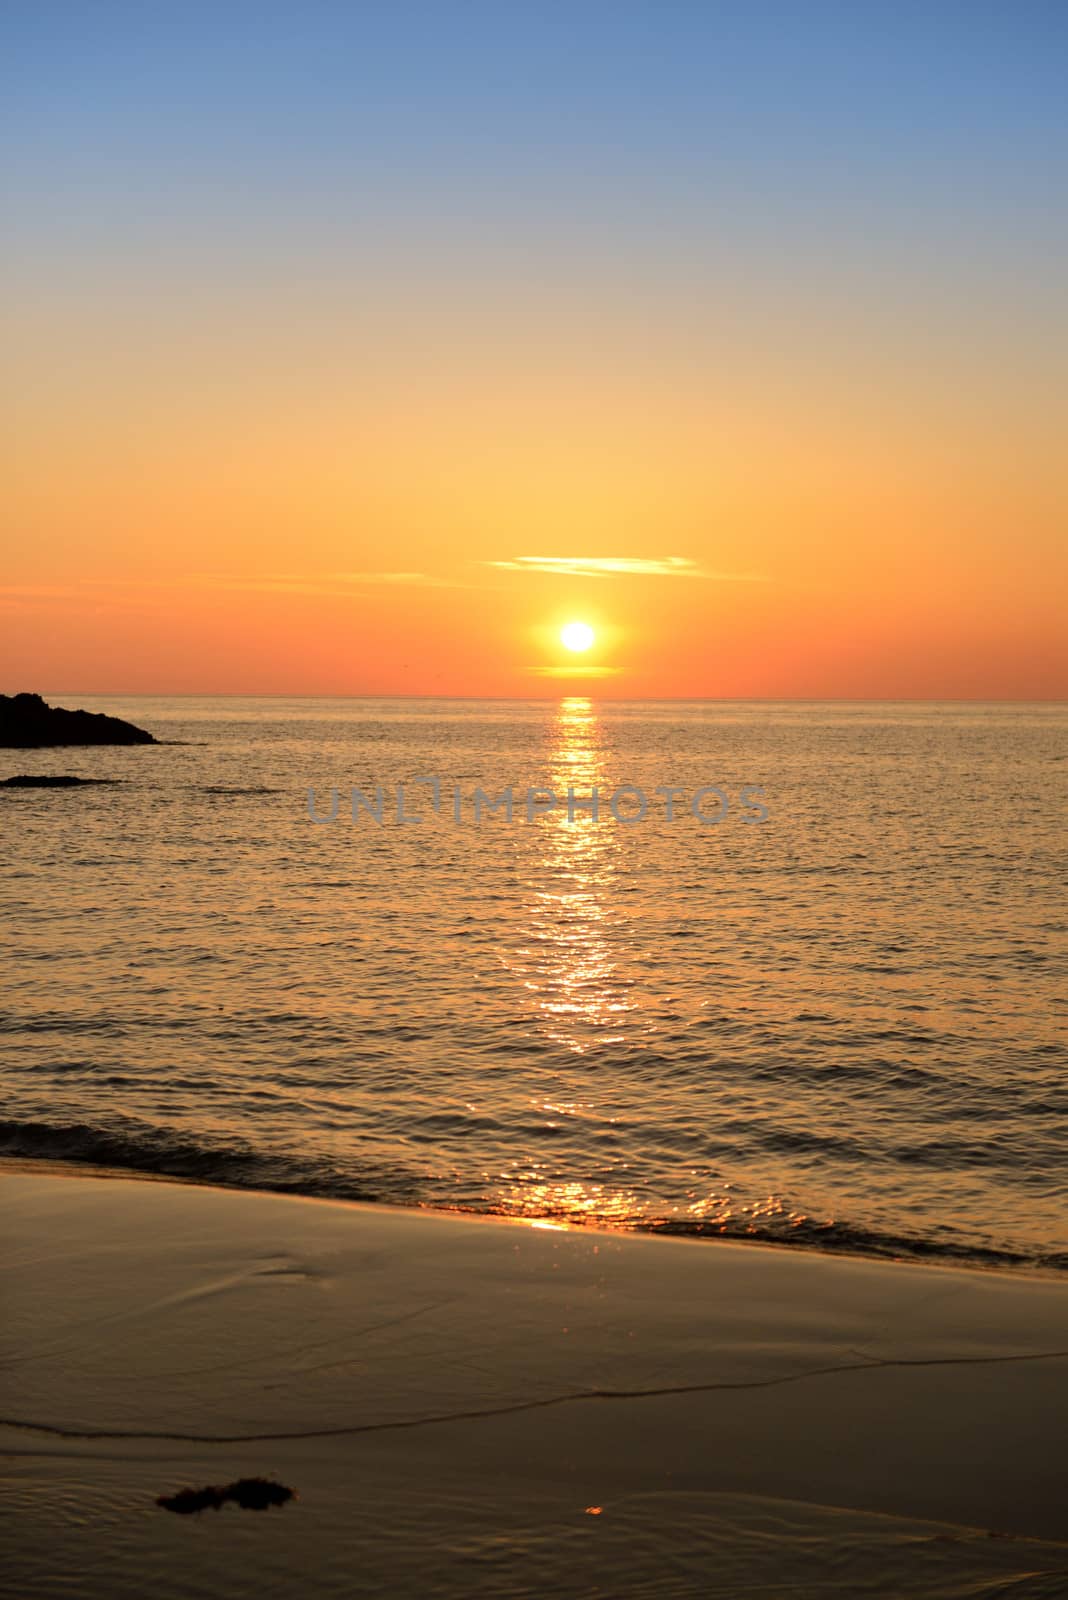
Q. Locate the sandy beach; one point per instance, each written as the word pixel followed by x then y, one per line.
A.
pixel 466 1405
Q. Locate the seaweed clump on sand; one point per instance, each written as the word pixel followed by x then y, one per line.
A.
pixel 251 1494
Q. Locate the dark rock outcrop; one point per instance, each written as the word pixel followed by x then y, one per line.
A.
pixel 47 780
pixel 27 723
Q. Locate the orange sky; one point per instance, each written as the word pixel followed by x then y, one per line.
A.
pixel 177 533
pixel 281 420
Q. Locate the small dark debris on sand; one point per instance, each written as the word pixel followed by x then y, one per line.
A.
pixel 46 780
pixel 251 1494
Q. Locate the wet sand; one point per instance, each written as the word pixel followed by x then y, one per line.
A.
pixel 478 1407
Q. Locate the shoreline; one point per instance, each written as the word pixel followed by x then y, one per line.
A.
pixel 481 1404
pixel 975 1259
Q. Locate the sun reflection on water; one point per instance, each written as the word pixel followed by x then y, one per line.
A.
pixel 572 975
pixel 561 1205
pixel 567 964
pixel 558 1205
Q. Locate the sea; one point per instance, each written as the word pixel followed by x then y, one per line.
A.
pixel 802 978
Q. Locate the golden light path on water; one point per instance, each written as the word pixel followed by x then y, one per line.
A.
pixel 579 996
pixel 567 966
pixel 571 967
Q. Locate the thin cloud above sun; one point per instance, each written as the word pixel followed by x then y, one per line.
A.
pixel 618 567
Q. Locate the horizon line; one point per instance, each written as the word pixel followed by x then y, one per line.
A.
pixel 237 694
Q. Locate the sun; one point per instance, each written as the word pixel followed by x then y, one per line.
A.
pixel 577 636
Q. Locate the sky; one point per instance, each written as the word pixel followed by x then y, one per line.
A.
pixel 356 349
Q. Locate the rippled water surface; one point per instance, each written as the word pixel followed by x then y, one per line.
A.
pixel 841 1026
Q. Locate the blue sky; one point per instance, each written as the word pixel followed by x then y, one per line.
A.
pixel 811 91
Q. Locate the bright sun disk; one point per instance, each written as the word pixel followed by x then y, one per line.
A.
pixel 576 636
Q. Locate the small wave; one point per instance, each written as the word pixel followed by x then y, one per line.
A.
pixel 168 1153
pixel 853 1239
pixel 222 789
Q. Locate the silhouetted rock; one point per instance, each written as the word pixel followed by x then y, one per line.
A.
pixel 27 723
pixel 50 780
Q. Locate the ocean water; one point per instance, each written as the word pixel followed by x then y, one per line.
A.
pixel 842 1026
